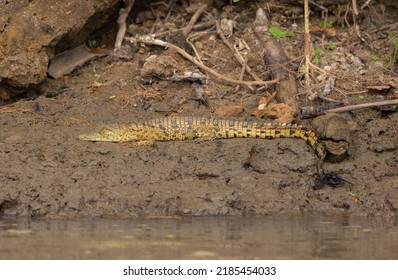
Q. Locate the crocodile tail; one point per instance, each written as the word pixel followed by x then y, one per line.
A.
pixel 271 130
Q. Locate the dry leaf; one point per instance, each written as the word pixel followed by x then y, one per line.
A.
pixel 281 112
pixel 262 103
pixel 330 32
pixel 393 95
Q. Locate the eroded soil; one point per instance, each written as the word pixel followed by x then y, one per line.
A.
pixel 47 171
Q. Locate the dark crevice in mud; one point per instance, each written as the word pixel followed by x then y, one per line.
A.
pixel 15 94
pixel 99 31
pixel 11 207
pixel 101 28
pixel 202 176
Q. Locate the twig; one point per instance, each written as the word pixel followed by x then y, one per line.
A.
pixel 196 26
pixel 319 6
pixel 194 50
pixel 195 36
pixel 121 21
pixel 214 56
pixel 388 26
pixel 331 100
pixel 242 73
pixel 237 55
pixel 362 106
pixel 172 4
pixel 355 7
pixel 365 4
pixel 194 19
pixel 152 41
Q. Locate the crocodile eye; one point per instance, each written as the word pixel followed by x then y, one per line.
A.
pixel 106 131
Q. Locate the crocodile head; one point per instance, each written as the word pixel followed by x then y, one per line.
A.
pixel 115 133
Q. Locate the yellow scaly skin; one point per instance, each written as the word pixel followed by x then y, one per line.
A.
pixel 191 128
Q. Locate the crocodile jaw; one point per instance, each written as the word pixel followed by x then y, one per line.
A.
pixel 95 137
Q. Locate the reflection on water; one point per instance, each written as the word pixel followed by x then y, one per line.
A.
pixel 308 237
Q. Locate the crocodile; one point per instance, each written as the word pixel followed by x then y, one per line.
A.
pixel 194 128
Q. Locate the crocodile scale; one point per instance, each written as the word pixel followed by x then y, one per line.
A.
pixel 191 128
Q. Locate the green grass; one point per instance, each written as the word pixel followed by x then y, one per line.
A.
pixel 329 24
pixel 317 54
pixel 277 33
pixel 331 46
pixel 375 58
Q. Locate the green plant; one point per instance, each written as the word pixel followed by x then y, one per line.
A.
pixel 392 55
pixel 395 44
pixel 329 24
pixel 394 58
pixel 375 58
pixel 92 44
pixel 277 33
pixel 317 54
pixel 331 46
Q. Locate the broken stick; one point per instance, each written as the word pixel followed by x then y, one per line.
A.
pixel 309 112
pixel 362 106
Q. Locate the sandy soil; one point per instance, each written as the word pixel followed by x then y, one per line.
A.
pixel 46 171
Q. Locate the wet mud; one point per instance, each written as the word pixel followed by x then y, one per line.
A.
pixel 46 171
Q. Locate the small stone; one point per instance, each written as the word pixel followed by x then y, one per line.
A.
pixel 227 27
pixel 160 66
pixel 394 203
pixel 383 146
pixel 212 38
pixel 199 45
pixel 332 126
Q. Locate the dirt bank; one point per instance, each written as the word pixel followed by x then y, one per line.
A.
pixel 46 171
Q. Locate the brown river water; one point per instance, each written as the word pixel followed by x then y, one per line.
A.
pixel 292 237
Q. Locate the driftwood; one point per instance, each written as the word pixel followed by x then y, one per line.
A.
pixel 277 62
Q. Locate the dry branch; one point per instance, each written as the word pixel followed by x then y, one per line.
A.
pixel 310 112
pixel 194 19
pixel 150 40
pixel 276 58
pixel 237 55
pixel 362 106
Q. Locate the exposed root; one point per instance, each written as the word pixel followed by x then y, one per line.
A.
pixel 121 21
